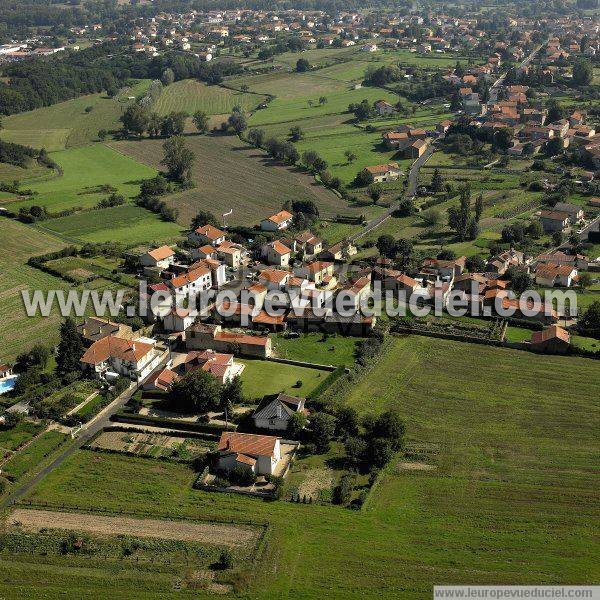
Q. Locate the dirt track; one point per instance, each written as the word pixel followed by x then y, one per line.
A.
pixel 189 531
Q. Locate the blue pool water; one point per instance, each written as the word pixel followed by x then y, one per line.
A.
pixel 7 384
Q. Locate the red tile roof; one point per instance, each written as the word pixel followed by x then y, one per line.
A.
pixel 247 444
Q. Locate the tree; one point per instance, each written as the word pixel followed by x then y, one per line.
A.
pixel 296 134
pixel 347 422
pixel 386 246
pixel 200 120
pixel 167 77
pixel 459 217
pixel 313 161
pixel 478 207
pixel 380 452
pixel 437 183
pixel 350 156
pixel 173 124
pixel 256 137
pixel 196 391
pixel 406 207
pixel 535 230
pixel 356 449
pixel 322 100
pixel 226 559
pixel 589 322
pixel 475 264
pixel 322 428
pixel 583 72
pixel 70 348
pixel 237 121
pixel 343 491
pixel 295 425
pixel 557 238
pixel 178 159
pixel 433 217
pixel 404 248
pixel 232 393
pixel 555 111
pixel 302 65
pixel 290 154
pixel 375 190
pixel 154 125
pixel 520 280
pixel 204 218
pixel 135 119
pixel 388 425
pixel 585 280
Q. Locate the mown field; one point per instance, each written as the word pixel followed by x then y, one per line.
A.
pixel 83 171
pixel 500 487
pixel 317 348
pixel 190 95
pixel 17 331
pixel 230 175
pixel 68 124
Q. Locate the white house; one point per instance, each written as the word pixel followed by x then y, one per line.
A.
pixel 276 413
pixel 277 222
pixel 160 258
pixel 260 453
pixel 112 355
pixel 193 282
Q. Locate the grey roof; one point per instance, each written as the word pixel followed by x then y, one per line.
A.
pixel 282 407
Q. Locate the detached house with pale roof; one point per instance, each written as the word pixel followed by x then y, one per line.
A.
pixel 319 271
pixel 277 222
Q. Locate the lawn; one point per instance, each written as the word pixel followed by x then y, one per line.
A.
pixel 231 175
pixel 131 225
pixel 314 347
pixel 68 124
pixel 263 377
pixel 189 95
pixel 511 497
pixel 27 459
pixel 83 171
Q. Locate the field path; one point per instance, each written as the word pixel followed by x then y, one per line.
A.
pixel 214 533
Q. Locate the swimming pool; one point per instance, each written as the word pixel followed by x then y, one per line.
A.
pixel 7 384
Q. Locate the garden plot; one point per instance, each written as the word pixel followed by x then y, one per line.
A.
pixel 214 533
pixel 153 445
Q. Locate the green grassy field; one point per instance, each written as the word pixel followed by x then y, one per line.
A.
pixel 313 347
pixel 27 459
pixel 509 497
pixel 230 175
pixel 262 377
pixel 83 170
pixel 67 123
pixel 17 331
pixel 190 95
pixel 128 224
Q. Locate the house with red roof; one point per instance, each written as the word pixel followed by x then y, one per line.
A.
pixel 207 234
pixel 552 340
pixel 260 453
pixel 277 253
pixel 277 222
pixel 202 336
pixel 112 356
pixel 220 365
pixel 159 258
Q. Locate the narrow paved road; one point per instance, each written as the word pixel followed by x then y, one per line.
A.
pixel 411 190
pixel 89 430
